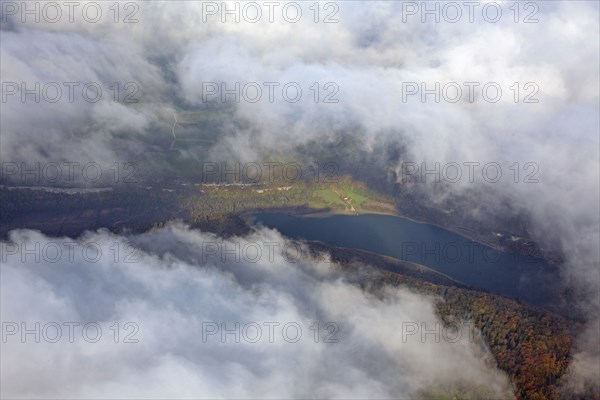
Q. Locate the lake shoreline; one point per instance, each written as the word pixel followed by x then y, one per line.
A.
pixel 471 262
pixel 307 212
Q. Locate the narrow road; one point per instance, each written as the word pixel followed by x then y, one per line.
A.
pixel 349 201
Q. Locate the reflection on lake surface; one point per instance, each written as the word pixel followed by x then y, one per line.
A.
pixel 528 279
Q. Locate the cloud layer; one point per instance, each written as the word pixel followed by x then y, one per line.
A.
pixel 170 294
pixel 371 53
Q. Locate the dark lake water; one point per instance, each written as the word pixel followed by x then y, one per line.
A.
pixel 531 280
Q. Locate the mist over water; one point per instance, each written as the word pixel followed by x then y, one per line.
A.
pixel 160 310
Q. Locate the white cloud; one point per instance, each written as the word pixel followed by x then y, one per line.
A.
pixel 168 293
pixel 369 54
